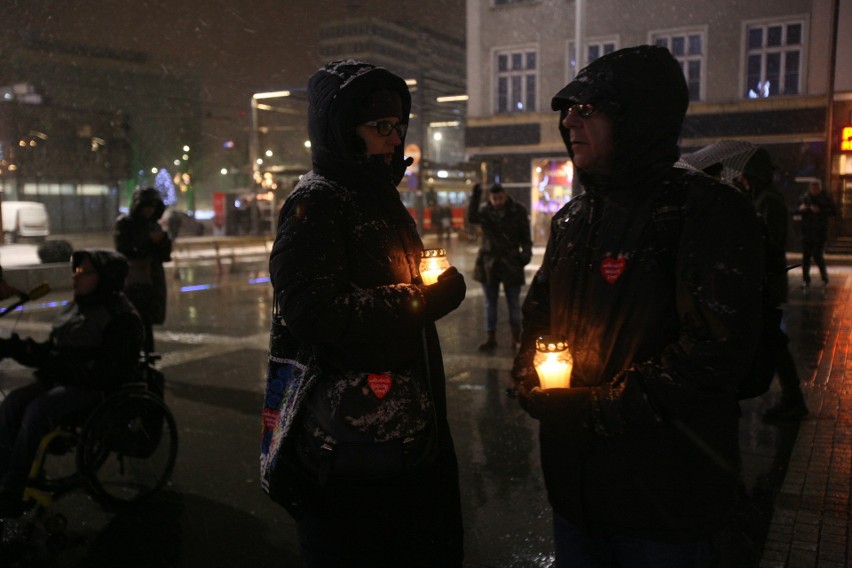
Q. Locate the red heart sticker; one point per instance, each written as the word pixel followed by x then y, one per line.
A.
pixel 379 384
pixel 612 268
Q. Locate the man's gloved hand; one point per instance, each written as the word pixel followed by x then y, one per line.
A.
pixel 445 295
pixel 568 409
pixel 477 190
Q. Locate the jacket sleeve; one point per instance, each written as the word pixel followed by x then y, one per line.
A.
pixel 114 362
pixel 473 212
pixel 317 298
pixel 536 315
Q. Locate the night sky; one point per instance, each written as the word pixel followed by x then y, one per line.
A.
pixel 237 46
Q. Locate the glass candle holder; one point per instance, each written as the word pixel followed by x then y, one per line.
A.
pixel 553 362
pixel 432 263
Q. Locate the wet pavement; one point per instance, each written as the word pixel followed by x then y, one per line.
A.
pixel 213 513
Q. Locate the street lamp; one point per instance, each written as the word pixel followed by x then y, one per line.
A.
pixel 254 141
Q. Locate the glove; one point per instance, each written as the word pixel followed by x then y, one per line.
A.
pixel 445 295
pixel 477 190
pixel 526 257
pixel 398 168
pixel 567 409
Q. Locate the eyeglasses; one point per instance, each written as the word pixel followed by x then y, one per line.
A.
pixel 79 271
pixel 384 128
pixel 584 110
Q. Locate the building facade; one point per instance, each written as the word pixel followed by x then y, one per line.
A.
pixel 773 72
pixel 80 127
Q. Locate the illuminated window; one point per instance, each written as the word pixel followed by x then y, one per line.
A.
pixel 774 59
pixel 688 48
pixel 516 75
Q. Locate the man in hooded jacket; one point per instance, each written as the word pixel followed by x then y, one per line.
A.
pixel 93 347
pixel 358 332
pixel 640 454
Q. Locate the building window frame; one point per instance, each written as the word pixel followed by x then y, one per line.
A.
pixel 774 56
pixel 689 46
pixel 516 80
pixel 596 46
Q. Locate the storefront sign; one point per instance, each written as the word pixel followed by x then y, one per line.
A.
pixel 846 139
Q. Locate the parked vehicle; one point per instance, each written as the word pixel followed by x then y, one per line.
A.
pixel 24 220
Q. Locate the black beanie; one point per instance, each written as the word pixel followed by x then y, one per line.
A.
pixel 379 104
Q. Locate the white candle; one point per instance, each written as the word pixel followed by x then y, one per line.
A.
pixel 553 373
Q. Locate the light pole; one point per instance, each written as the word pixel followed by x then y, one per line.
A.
pixel 254 139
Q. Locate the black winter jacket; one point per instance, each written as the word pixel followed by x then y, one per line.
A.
pixel 506 242
pixel 815 223
pixel 645 440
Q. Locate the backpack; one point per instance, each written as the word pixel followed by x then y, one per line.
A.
pixel 667 217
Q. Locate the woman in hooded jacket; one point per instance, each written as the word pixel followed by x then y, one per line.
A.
pixel 363 401
pixel 93 347
pixel 139 237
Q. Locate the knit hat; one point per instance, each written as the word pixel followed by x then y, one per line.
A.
pixel 379 104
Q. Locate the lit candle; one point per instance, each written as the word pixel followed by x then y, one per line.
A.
pixel 553 362
pixel 433 262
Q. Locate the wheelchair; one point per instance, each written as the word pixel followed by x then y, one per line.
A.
pixel 122 452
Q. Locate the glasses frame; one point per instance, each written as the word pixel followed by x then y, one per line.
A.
pixel 583 110
pixel 384 128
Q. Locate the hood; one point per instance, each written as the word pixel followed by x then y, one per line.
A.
pixel 143 195
pixel 643 90
pixel 335 94
pixel 110 265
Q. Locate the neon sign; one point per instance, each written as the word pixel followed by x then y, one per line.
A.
pixel 846 139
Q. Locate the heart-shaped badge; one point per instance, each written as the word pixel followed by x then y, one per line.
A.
pixel 379 384
pixel 612 268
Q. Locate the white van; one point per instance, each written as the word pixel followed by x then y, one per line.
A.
pixel 24 219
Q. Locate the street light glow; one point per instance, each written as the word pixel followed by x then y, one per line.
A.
pixel 452 98
pixel 271 95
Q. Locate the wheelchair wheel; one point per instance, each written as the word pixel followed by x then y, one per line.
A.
pixel 127 448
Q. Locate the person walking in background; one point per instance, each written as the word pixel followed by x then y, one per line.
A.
pixel 640 455
pixel 505 250
pixel 364 398
pixel 93 347
pixel 757 182
pixel 815 207
pixel 141 239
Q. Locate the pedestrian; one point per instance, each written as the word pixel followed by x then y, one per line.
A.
pixel 815 207
pixel 505 250
pixel 141 239
pixel 757 181
pixel 640 455
pixel 380 480
pixel 93 347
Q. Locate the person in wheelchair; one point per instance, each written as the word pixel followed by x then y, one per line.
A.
pixel 93 347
